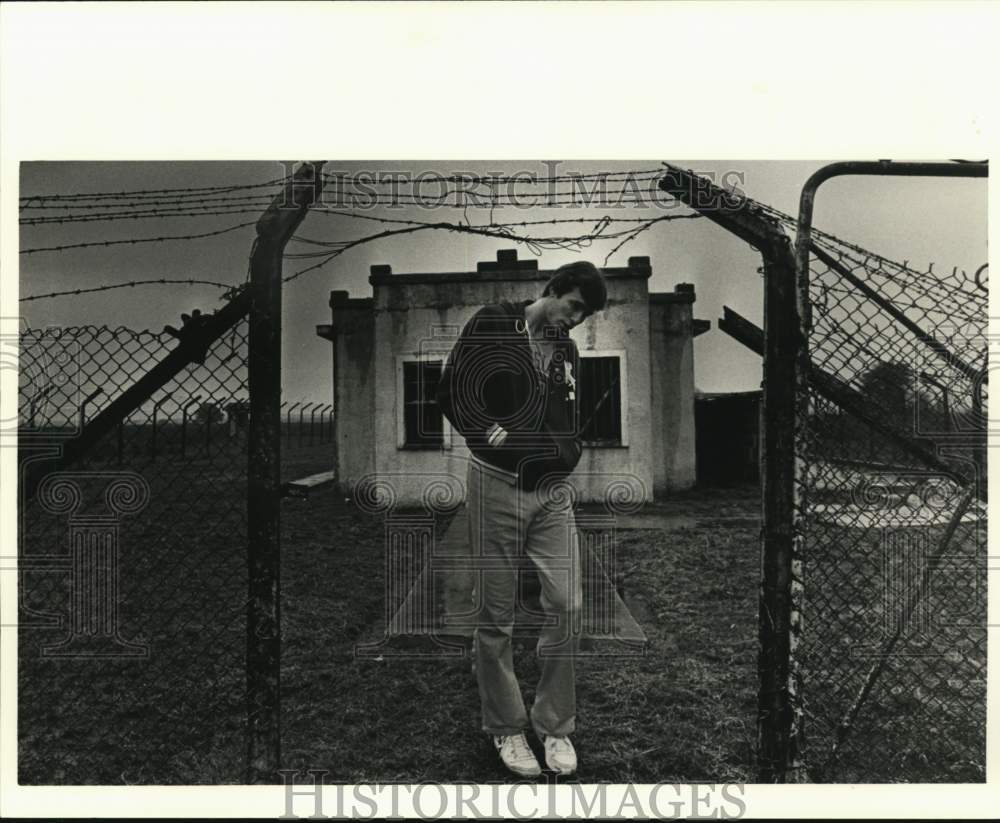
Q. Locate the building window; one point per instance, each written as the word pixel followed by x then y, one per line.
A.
pixel 599 400
pixel 423 425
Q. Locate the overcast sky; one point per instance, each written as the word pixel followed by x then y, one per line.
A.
pixel 921 220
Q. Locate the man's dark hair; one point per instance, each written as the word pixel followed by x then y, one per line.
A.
pixel 583 275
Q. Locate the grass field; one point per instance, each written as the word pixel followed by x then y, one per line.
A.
pixel 683 711
pixel 175 715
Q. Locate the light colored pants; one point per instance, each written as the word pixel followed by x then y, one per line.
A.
pixel 505 525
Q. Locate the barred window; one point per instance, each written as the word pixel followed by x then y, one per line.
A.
pixel 600 375
pixel 423 423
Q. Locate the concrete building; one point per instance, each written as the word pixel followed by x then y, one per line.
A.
pixel 388 350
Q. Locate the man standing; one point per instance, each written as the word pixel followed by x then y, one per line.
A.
pixel 508 387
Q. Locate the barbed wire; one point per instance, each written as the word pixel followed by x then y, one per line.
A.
pixel 111 287
pixel 824 238
pixel 363 181
pixel 145 192
pixel 512 224
pixel 914 285
pixel 923 285
pixel 73 331
pixel 214 201
pixel 162 239
pixel 364 178
pixel 193 211
pixel 337 177
pixel 202 208
pixel 333 249
pixel 534 244
pixel 327 213
pixel 146 204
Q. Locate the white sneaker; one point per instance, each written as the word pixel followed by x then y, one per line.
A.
pixel 560 756
pixel 516 754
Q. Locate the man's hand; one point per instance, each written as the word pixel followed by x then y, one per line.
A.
pixel 496 435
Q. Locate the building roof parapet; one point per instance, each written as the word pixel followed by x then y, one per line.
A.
pixel 506 268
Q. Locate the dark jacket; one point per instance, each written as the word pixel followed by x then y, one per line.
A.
pixel 490 379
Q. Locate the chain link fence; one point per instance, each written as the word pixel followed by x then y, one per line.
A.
pixel 872 664
pixel 133 578
pixel 149 538
pixel 892 657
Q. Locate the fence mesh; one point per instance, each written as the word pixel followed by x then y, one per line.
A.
pixel 132 565
pixel 893 654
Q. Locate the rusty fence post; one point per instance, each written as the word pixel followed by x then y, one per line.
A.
pixel 786 366
pixel 263 654
pixel 780 611
pixel 288 422
pixel 302 426
pixel 324 435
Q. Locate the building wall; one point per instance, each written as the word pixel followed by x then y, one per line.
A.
pixel 353 387
pixel 622 327
pixel 673 417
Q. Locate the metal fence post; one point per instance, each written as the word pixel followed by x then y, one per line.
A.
pixel 83 407
pixel 312 423
pixel 324 436
pixel 209 411
pixel 785 369
pixel 274 229
pixel 288 422
pixel 35 400
pixel 184 422
pixel 302 428
pixel 156 409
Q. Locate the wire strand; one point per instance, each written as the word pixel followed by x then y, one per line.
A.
pixel 144 192
pixel 125 286
pixel 162 239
